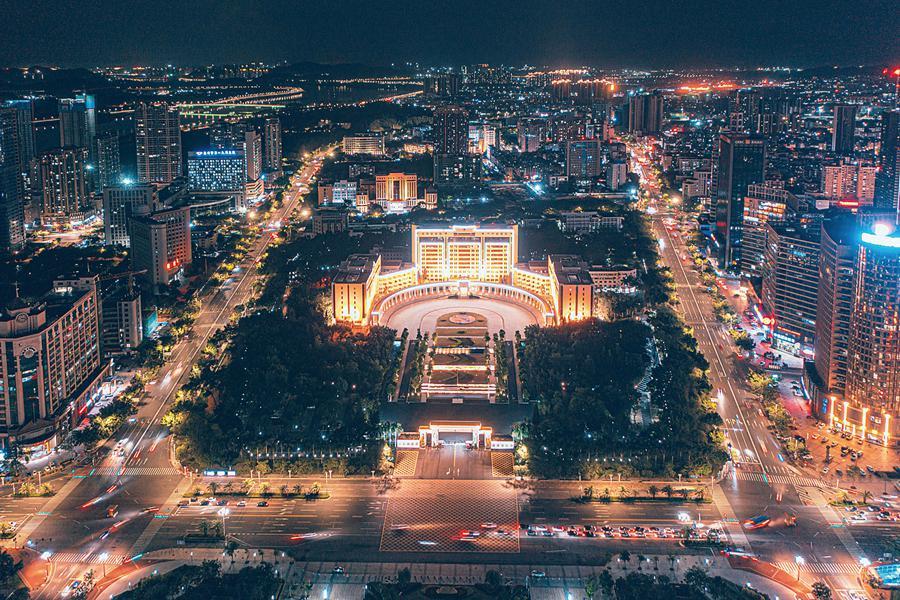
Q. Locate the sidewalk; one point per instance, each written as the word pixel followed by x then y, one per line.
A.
pixel 324 576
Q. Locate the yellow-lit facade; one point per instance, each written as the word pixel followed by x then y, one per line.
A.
pixel 463 253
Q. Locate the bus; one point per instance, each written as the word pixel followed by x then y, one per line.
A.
pixel 112 510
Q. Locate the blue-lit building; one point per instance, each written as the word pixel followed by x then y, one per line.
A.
pixel 217 170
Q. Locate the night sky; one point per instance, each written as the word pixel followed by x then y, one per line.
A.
pixel 639 33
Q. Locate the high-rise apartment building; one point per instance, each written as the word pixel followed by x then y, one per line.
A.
pixel 273 150
pixel 645 113
pixel 764 203
pixel 583 159
pixel 161 244
pixel 741 162
pixel 451 130
pixel 120 203
pixel 843 128
pixel 531 134
pixel 63 186
pixel 12 210
pixel 78 122
pixel 790 279
pixel 108 164
pixel 887 180
pixel 50 364
pixel 616 174
pixel 158 141
pixel 850 182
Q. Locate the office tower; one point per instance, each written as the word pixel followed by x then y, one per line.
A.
pixel 396 187
pixel 108 164
pixel 583 159
pixel 273 149
pixel 158 140
pixel 161 244
pixel 843 138
pixel 216 170
pixel 121 202
pixel 616 174
pixel 764 203
pixel 741 162
pixel 369 143
pixel 451 130
pixel 790 276
pixel 239 136
pixel 837 268
pixel 64 197
pixel 12 210
pixel 645 113
pixel 887 181
pixel 78 122
pixel 872 395
pixel 50 350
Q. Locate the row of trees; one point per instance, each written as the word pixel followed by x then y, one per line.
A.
pixel 283 377
pixel 192 582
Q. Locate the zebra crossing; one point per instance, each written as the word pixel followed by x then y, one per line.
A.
pixel 151 471
pixel 93 558
pixel 780 479
pixel 820 568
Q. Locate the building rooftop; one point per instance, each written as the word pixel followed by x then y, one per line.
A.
pixel 356 269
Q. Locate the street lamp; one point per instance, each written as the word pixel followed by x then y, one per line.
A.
pixel 224 512
pixel 799 560
pixel 103 556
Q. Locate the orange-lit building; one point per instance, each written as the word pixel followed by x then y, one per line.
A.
pixel 464 253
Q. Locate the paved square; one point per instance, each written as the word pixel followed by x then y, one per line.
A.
pixel 434 513
pixel 406 463
pixel 502 464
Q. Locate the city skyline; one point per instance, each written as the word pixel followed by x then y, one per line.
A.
pixel 699 33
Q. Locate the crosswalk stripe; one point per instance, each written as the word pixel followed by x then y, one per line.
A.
pixel 780 479
pixel 87 558
pixel 138 471
pixel 819 568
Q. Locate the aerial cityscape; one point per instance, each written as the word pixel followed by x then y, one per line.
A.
pixel 371 301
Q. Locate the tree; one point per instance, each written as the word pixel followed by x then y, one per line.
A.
pixel 590 587
pixel 8 566
pixel 605 583
pixel 213 487
pixel 821 591
pixel 866 496
pixel 696 578
pixel 625 557
pixel 404 577
pixel 653 490
pixel 493 579
pixel 668 490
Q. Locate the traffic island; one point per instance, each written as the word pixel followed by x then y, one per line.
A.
pixel 771 572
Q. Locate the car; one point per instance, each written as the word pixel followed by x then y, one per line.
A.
pixel 338 570
pixel 531 532
pixel 242 503
pixel 825 469
pixel 183 502
pixel 859 518
pixel 489 525
pixel 870 468
pixel 204 503
pixel 537 574
pixel 262 504
pixel 871 508
pixel 548 533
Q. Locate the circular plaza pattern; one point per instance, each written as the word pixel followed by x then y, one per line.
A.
pixel 423 314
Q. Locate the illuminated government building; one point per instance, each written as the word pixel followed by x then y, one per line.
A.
pixel 459 261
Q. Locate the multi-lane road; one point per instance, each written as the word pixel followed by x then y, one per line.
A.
pixel 75 528
pixel 764 482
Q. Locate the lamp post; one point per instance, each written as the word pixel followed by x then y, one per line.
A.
pixel 799 560
pixel 103 556
pixel 224 512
